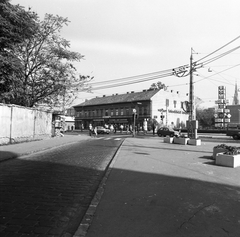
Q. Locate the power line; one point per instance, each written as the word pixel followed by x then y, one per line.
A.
pixel 218 49
pixel 181 71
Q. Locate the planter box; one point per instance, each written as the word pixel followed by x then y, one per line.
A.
pixel 168 139
pixel 216 151
pixel 228 160
pixel 195 142
pixel 180 140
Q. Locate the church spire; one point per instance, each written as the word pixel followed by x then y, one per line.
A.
pixel 235 98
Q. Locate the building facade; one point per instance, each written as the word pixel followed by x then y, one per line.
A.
pixel 155 106
pixel 234 110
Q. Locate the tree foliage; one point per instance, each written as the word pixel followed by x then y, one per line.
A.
pixel 16 25
pixel 46 72
pixel 205 117
pixel 158 85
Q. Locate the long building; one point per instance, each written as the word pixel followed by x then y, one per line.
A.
pixel 156 106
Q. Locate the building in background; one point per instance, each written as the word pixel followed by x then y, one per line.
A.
pixel 156 106
pixel 234 110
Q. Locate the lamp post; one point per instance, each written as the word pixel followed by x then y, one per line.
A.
pixel 134 117
pixel 134 121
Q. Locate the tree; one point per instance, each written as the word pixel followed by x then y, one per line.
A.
pixel 47 75
pixel 158 85
pixel 16 25
pixel 205 117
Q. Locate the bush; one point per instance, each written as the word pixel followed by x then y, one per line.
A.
pixel 230 150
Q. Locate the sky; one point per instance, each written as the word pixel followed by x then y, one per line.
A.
pixel 125 38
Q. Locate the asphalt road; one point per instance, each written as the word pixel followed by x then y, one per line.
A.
pixel 48 193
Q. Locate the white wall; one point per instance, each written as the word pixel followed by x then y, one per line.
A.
pixel 171 114
pixel 19 123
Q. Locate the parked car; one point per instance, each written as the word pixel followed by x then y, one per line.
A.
pixel 102 130
pixel 233 130
pixel 165 131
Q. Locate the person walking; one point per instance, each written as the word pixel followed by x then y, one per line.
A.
pixel 153 128
pixel 115 128
pixel 145 126
pixel 95 131
pixel 90 129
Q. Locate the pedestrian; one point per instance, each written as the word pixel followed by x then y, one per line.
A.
pixel 145 126
pixel 115 128
pixel 127 128
pixel 121 128
pixel 90 129
pixel 111 128
pixel 94 131
pixel 153 128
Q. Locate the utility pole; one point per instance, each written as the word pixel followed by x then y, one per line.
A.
pixel 192 125
pixel 192 114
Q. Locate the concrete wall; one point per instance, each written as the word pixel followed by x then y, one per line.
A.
pixel 23 124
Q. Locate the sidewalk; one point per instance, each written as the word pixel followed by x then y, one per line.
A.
pixel 15 150
pixel 169 190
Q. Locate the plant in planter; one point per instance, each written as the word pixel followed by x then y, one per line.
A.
pixel 219 149
pixel 230 157
pixel 232 150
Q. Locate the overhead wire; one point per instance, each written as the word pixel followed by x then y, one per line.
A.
pixel 164 73
pixel 129 82
pixel 218 49
pixel 217 57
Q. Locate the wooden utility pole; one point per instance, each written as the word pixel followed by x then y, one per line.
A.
pixel 192 125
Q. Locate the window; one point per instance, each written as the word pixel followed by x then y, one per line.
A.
pixel 116 110
pixel 175 103
pixel 106 112
pixel 167 102
pixel 121 111
pixel 145 111
pixel 111 113
pixel 127 111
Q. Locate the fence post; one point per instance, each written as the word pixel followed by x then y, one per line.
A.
pixel 11 116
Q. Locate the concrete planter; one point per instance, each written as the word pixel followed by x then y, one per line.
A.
pixel 216 151
pixel 195 142
pixel 228 160
pixel 180 140
pixel 168 139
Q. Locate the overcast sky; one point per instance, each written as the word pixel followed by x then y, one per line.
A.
pixel 123 38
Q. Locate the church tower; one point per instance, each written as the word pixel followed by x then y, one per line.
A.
pixel 235 98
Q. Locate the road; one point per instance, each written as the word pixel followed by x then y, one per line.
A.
pixel 48 193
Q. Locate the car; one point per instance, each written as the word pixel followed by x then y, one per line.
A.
pixel 102 130
pixel 166 131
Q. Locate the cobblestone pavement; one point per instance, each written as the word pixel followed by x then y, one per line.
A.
pixel 48 193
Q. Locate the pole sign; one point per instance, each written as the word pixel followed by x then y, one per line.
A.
pixel 222 115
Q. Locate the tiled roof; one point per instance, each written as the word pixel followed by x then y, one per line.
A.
pixel 122 98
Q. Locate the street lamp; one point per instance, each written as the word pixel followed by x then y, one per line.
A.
pixel 134 118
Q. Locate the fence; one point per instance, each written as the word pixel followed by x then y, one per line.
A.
pixel 19 124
